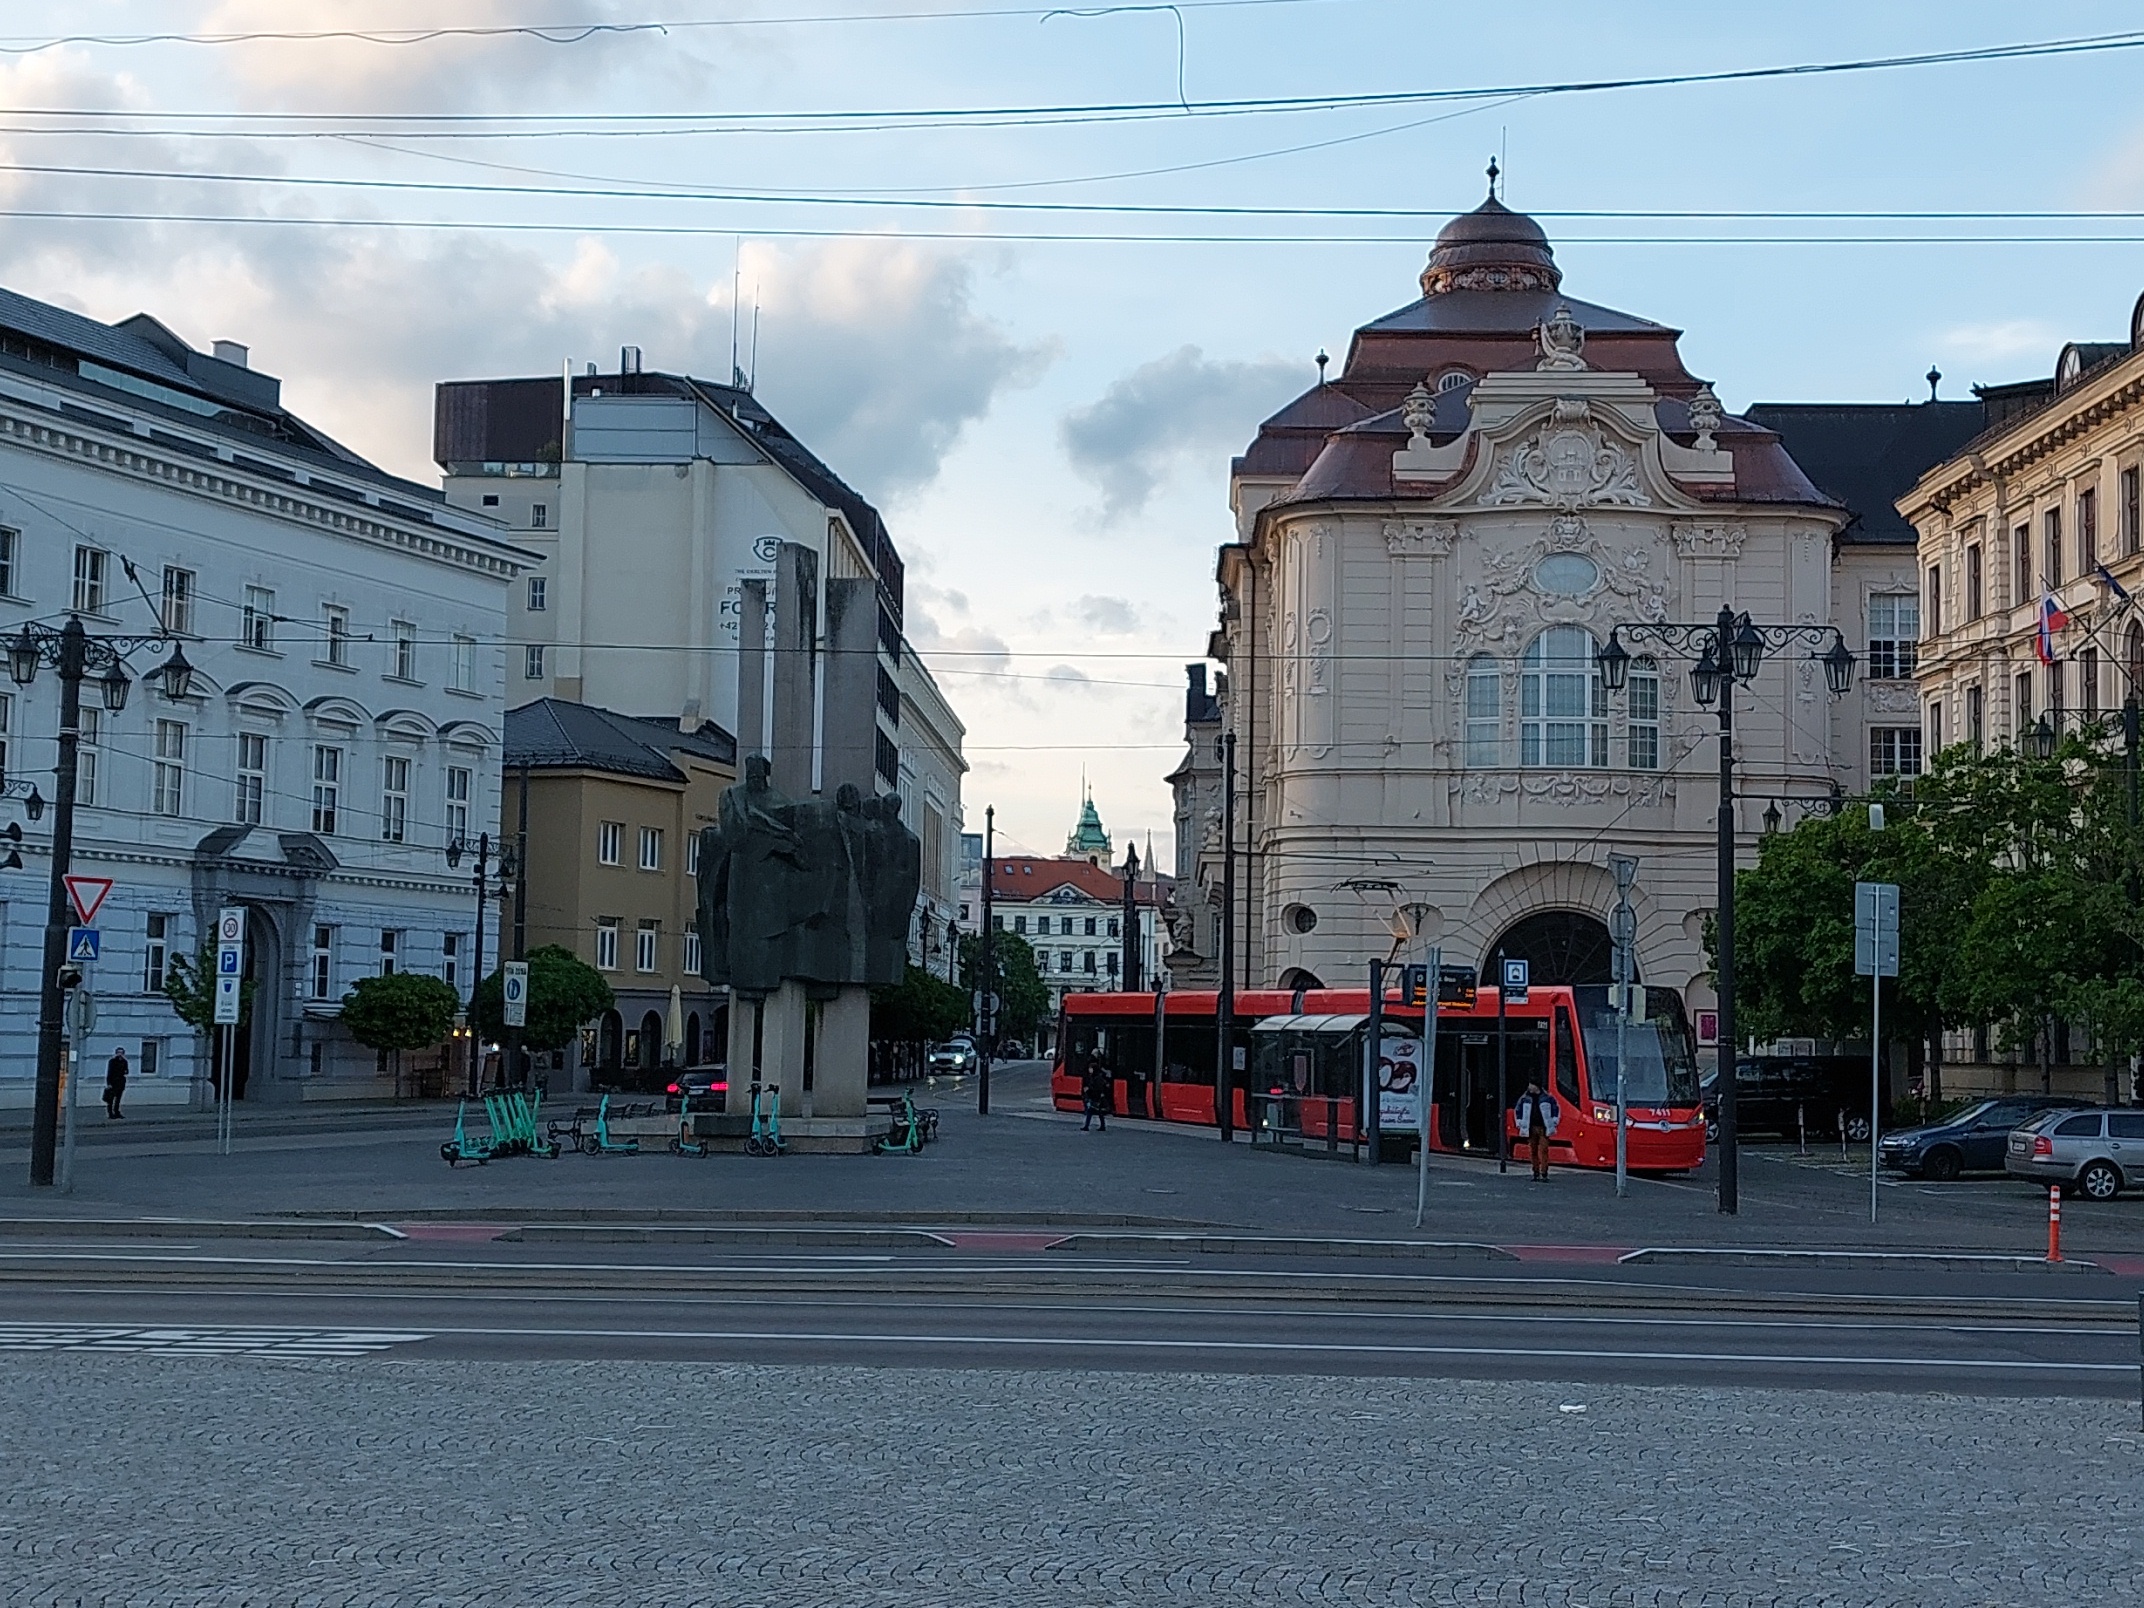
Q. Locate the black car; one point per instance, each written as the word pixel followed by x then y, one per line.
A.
pixel 709 1087
pixel 1974 1140
pixel 1786 1096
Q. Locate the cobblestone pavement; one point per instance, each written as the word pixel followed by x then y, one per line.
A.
pixel 237 1481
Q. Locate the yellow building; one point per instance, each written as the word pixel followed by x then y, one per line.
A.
pixel 615 807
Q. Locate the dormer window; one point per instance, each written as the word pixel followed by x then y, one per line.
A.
pixel 1453 379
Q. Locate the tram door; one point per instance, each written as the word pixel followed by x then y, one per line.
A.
pixel 1467 1082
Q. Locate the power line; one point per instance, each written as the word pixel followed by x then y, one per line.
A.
pixel 574 33
pixel 1227 107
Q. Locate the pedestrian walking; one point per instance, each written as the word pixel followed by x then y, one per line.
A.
pixel 115 1083
pixel 1537 1115
pixel 1095 1093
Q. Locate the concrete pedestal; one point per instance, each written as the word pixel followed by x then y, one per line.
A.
pixel 831 1036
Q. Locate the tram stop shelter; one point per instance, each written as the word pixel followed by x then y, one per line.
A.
pixel 1306 1076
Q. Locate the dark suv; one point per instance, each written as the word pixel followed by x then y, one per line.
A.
pixel 1974 1140
pixel 1786 1095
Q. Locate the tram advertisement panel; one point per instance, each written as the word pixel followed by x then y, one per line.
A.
pixel 1399 1082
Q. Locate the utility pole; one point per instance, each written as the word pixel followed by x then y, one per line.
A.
pixel 1624 932
pixel 1225 1007
pixel 986 973
pixel 1130 966
pixel 519 1076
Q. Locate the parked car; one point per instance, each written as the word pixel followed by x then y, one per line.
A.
pixel 1973 1140
pixel 709 1087
pixel 1783 1096
pixel 2091 1153
pixel 955 1055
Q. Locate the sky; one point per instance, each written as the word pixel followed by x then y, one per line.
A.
pixel 1047 423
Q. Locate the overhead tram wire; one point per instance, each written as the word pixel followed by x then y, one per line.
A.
pixel 874 120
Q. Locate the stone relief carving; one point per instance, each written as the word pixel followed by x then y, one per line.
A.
pixel 1635 789
pixel 1567 466
pixel 1418 413
pixel 1706 415
pixel 1623 573
pixel 1892 697
pixel 1318 632
pixel 1694 539
pixel 1420 538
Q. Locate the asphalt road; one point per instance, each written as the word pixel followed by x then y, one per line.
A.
pixel 2018 1335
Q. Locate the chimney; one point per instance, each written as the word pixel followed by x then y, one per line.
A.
pixel 628 360
pixel 231 352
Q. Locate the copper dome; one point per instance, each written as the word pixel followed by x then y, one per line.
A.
pixel 1491 248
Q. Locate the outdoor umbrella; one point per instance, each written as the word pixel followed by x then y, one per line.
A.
pixel 674 1024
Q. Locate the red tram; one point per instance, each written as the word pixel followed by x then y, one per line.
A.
pixel 1162 1058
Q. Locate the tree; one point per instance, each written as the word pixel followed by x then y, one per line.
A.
pixel 400 1011
pixel 565 993
pixel 1023 997
pixel 190 985
pixel 919 1009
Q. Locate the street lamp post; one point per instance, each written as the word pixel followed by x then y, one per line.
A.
pixel 76 655
pixel 1728 651
pixel 986 974
pixel 1130 966
pixel 483 849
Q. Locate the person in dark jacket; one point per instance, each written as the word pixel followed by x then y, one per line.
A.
pixel 115 1083
pixel 1097 1095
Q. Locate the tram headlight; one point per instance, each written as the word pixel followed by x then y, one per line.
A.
pixel 1604 1113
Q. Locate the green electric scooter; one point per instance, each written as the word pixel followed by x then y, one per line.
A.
pixel 765 1138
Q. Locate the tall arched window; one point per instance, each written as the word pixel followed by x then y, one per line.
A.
pixel 1485 712
pixel 1643 738
pixel 1563 703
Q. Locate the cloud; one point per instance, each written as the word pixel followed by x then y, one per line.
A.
pixel 2003 340
pixel 1107 616
pixel 1129 440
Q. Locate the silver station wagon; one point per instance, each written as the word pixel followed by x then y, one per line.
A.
pixel 2092 1153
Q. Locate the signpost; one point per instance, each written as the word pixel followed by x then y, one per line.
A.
pixel 1513 978
pixel 1426 1084
pixel 230 995
pixel 81 1022
pixel 83 944
pixel 1623 930
pixel 514 993
pixel 1875 957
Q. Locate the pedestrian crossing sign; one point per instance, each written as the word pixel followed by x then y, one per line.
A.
pixel 82 943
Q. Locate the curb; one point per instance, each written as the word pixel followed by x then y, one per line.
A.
pixel 185 1228
pixel 1252 1245
pixel 1931 1261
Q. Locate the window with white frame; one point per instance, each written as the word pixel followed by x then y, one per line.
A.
pixel 1894 635
pixel 1894 751
pixel 327 787
pixel 692 854
pixel 88 754
pixel 335 623
pixel 1563 702
pixel 692 952
pixel 464 664
pixel 390 950
pixel 177 612
pixel 10 556
pixel 320 964
pixel 91 564
pixel 394 798
pixel 167 781
pixel 405 650
pixel 457 802
pixel 539 516
pixel 151 1061
pixel 607 945
pixel 252 785
pixel 450 959
pixel 539 594
pixel 532 662
pixel 156 956
pixel 256 626
pixel 647 943
pixel 610 843
pixel 651 848
pixel 1642 740
pixel 1485 711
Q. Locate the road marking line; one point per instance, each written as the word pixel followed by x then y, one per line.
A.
pixel 204 1340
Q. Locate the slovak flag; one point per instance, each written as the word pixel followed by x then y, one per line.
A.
pixel 2053 618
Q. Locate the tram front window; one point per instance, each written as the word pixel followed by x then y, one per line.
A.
pixel 1661 1069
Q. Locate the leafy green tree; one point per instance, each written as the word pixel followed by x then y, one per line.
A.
pixel 400 1011
pixel 190 985
pixel 565 993
pixel 1023 997
pixel 919 1009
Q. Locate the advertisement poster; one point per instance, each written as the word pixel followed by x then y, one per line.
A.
pixel 1399 1082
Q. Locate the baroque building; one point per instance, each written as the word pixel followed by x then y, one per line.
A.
pixel 1431 546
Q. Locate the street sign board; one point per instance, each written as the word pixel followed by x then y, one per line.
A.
pixel 230 963
pixel 231 925
pixel 86 894
pixel 82 944
pixel 227 999
pixel 1518 973
pixel 1399 1081
pixel 1876 929
pixel 1457 986
pixel 514 992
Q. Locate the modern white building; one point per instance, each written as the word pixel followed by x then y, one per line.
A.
pixel 341 730
pixel 931 769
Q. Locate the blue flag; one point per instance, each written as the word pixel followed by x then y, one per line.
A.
pixel 2113 585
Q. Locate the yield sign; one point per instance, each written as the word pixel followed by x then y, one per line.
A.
pixel 86 894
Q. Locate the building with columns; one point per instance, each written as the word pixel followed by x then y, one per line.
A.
pixel 1430 547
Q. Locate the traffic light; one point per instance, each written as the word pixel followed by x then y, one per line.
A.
pixel 69 977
